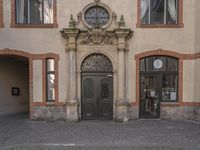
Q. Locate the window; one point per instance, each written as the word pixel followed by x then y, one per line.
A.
pixel 97 16
pixel 50 78
pixel 34 13
pixel 160 13
pixel 165 71
pixel 1 13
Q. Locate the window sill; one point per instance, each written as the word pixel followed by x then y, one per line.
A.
pixel 34 25
pixel 181 25
pixel 170 104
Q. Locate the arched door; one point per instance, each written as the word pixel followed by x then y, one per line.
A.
pixel 158 83
pixel 97 87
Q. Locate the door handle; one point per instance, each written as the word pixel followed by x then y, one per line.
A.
pixel 109 75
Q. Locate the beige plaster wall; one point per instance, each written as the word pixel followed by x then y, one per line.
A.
pixel 42 40
pixel 197 80
pixel 13 74
pixel 188 81
pixel 37 81
pixel 197 25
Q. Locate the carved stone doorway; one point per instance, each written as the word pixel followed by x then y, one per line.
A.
pixel 98 32
pixel 97 88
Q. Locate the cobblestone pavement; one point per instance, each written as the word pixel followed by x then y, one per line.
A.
pixel 17 129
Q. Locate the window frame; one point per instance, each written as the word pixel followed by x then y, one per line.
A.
pixel 179 21
pixel 15 25
pixel 1 14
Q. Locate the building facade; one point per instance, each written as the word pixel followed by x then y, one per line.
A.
pixel 99 59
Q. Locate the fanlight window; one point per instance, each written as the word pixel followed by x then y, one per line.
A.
pixel 96 16
pixel 97 63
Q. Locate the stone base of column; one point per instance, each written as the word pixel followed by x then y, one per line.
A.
pixel 122 111
pixel 72 109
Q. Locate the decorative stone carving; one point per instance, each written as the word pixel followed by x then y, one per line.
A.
pixel 97 62
pixel 110 39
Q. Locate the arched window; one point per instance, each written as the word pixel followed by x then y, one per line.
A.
pixel 160 74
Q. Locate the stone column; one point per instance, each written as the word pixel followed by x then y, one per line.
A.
pixel 72 103
pixel 122 103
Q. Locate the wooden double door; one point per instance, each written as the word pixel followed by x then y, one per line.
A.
pixel 97 96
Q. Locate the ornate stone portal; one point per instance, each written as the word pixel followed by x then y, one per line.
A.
pixel 97 31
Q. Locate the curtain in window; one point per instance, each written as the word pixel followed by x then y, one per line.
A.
pixel 48 11
pixel 172 9
pixel 144 7
pixel 158 5
pixel 20 4
pixel 36 11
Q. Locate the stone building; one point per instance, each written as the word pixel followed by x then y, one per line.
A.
pixel 100 59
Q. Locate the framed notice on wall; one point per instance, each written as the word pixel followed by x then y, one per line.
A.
pixel 15 91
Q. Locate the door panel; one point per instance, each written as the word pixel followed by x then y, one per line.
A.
pixel 106 98
pixel 89 97
pixel 149 96
pixel 97 96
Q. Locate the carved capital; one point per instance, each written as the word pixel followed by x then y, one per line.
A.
pixel 70 32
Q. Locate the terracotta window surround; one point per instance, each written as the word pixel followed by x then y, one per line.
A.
pixel 15 25
pixel 178 25
pixel 169 53
pixel 1 14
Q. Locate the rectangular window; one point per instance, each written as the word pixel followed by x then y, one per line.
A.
pixel 34 11
pixel 50 78
pixel 159 11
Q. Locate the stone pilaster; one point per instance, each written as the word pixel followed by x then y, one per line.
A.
pixel 72 103
pixel 122 103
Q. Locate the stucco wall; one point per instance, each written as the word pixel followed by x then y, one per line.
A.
pixel 188 81
pixel 197 25
pixel 36 40
pixel 37 81
pixel 13 74
pixel 197 80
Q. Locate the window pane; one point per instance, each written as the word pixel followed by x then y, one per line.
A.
pixel 50 87
pixel 21 11
pixel 169 88
pixel 172 64
pixel 155 63
pixel 157 11
pixel 48 11
pixel 50 65
pixel 36 11
pixel 145 11
pixel 171 11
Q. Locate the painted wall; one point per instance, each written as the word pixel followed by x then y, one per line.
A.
pixel 197 80
pixel 42 40
pixel 197 25
pixel 13 74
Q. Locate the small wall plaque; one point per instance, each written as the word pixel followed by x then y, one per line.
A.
pixel 15 91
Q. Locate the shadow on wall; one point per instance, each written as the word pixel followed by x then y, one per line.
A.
pixel 14 85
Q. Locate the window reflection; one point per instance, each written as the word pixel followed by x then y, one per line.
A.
pixel 50 79
pixel 34 11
